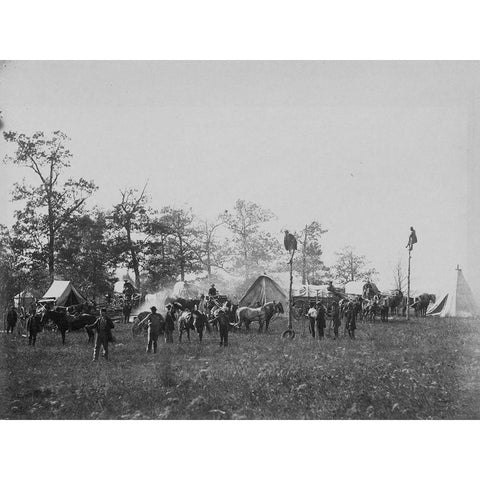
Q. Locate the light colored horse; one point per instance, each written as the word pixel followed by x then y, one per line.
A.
pixel 262 315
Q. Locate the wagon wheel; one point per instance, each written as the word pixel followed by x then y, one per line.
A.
pixel 288 334
pixel 136 329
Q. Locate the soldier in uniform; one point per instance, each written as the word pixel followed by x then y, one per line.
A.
pixel 212 292
pixel 156 325
pixel 336 318
pixel 33 327
pixel 169 325
pixel 312 317
pixel 351 324
pixel 12 318
pixel 128 290
pixel 103 333
pixel 321 320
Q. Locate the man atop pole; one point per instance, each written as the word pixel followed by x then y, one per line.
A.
pixel 412 239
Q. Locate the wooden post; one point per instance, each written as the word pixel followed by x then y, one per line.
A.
pixel 408 283
pixel 290 303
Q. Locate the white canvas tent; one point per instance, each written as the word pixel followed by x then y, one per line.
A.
pixel 458 301
pixel 263 290
pixel 63 293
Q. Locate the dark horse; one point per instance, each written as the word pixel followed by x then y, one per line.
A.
pixel 262 315
pixel 192 321
pixel 190 304
pixel 65 322
pixel 422 304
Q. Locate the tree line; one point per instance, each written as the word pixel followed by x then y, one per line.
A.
pixel 55 235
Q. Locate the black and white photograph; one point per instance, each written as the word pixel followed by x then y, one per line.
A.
pixel 239 240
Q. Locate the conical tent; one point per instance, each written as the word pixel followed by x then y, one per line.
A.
pixel 63 293
pixel 262 291
pixel 457 302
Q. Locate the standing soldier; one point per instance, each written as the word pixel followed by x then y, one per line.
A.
pixel 33 327
pixel 169 325
pixel 103 333
pixel 336 318
pixel 351 323
pixel 156 325
pixel 212 292
pixel 126 310
pixel 312 317
pixel 12 318
pixel 321 320
pixel 201 304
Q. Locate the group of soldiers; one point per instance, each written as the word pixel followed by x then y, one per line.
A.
pixel 27 320
pixel 317 316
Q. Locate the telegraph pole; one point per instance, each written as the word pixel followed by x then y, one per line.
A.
pixel 290 303
pixel 408 282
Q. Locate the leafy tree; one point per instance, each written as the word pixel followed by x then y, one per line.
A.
pixel 132 227
pixel 84 256
pixel 251 246
pixel 181 240
pixel 351 267
pixel 51 204
pixel 10 282
pixel 309 263
pixel 209 250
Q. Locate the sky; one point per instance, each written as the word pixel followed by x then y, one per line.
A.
pixel 365 148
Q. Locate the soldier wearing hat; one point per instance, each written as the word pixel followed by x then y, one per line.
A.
pixel 156 325
pixel 212 292
pixel 103 334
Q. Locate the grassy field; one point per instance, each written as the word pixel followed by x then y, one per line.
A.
pixel 427 369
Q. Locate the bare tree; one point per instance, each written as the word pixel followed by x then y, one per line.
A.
pixel 399 276
pixel 351 267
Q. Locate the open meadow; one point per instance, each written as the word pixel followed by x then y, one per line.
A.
pixel 426 369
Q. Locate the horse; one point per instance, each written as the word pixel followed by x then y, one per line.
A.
pixel 369 309
pixel 192 321
pixel 246 315
pixel 183 303
pixel 394 301
pixel 422 304
pixel 384 309
pixel 65 322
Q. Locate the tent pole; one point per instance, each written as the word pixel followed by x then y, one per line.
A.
pixel 408 284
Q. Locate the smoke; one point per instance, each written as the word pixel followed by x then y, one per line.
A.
pixel 156 299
